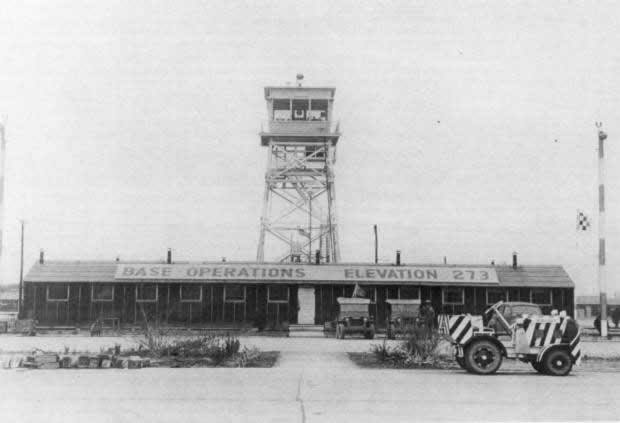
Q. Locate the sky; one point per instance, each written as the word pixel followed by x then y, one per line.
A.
pixel 468 127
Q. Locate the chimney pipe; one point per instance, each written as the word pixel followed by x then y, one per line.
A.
pixel 398 257
pixel 514 260
pixel 169 256
pixel 41 257
pixel 317 257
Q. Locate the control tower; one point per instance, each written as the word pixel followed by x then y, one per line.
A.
pixel 299 214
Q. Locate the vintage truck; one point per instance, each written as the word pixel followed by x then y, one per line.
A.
pixel 402 314
pixel 354 318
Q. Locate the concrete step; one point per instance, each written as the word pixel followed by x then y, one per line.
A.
pixel 305 331
pixel 299 328
pixel 306 334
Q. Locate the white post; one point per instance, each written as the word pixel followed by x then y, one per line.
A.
pixel 602 277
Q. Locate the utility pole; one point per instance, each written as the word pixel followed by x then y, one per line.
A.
pixel 601 269
pixel 21 273
pixel 376 246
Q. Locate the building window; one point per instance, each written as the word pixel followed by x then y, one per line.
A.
pixel 314 152
pixel 278 293
pixel 319 110
pixel 234 293
pixel 541 296
pixel 453 296
pixel 409 293
pixel 391 293
pixel 495 295
pixel 300 108
pixel 281 109
pixel 103 293
pixel 58 292
pixel 146 292
pixel 190 293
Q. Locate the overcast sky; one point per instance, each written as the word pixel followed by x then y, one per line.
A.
pixel 468 128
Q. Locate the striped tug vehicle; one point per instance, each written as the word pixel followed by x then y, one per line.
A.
pixel 549 343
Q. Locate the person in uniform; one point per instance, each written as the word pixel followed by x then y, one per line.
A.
pixel 427 315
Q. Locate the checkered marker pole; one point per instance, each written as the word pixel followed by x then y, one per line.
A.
pixel 601 228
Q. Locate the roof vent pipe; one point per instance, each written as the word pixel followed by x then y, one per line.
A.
pixel 398 257
pixel 514 260
pixel 169 256
pixel 41 257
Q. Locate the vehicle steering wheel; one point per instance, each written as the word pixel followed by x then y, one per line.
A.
pixel 493 307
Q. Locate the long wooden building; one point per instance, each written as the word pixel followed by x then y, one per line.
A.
pixel 61 293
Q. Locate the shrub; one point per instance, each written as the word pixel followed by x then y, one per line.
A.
pixel 422 346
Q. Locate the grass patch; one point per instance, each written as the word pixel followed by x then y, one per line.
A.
pixel 200 351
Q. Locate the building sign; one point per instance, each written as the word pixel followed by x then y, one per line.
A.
pixel 331 273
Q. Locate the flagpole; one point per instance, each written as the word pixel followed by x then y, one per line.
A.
pixel 601 268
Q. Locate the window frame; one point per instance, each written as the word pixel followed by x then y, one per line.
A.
pixel 192 300
pixel 305 110
pixel 550 297
pixel 62 300
pixel 288 295
pixel 141 300
pixel 235 300
pixel 417 288
pixel 443 296
pixel 101 300
pixel 505 292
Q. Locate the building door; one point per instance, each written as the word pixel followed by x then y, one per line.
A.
pixel 306 301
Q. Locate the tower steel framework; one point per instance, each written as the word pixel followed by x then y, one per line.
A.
pixel 298 219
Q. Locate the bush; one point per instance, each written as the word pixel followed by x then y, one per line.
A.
pixel 384 352
pixel 422 347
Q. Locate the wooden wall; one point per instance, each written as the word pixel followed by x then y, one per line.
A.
pixel 213 307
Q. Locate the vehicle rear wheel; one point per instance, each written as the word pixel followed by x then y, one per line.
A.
pixel 370 334
pixel 340 331
pixel 557 363
pixel 483 357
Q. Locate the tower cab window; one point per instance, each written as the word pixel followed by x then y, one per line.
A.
pixel 281 109
pixel 318 110
pixel 300 109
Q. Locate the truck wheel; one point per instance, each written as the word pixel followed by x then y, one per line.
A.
pixel 557 363
pixel 483 357
pixel 538 366
pixel 370 334
pixel 340 331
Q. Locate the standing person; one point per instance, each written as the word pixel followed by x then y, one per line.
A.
pixel 427 315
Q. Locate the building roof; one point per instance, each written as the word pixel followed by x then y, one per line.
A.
pixel 111 271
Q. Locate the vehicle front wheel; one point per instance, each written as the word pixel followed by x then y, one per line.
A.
pixel 461 362
pixel 483 357
pixel 557 363
pixel 538 366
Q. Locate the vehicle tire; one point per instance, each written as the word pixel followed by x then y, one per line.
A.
pixel 557 363
pixel 340 331
pixel 483 357
pixel 371 333
pixel 538 366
